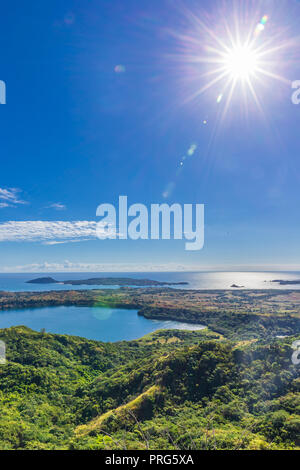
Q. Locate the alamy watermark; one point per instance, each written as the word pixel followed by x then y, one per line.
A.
pixel 296 353
pixel 2 92
pixel 163 221
pixel 296 94
pixel 2 353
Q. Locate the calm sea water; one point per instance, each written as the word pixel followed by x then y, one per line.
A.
pixel 196 280
pixel 102 324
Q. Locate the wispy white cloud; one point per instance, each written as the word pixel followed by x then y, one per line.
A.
pixel 9 197
pixel 46 231
pixel 57 206
pixel 61 242
pixel 69 266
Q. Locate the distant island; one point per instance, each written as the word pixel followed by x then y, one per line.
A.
pixel 236 286
pixel 287 283
pixel 106 281
pixel 42 280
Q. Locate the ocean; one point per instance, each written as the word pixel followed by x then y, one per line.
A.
pixel 196 280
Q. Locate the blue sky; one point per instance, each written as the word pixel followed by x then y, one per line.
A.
pixel 102 101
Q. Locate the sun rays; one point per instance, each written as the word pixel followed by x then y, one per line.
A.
pixel 239 53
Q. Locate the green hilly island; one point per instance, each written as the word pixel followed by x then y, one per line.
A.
pixel 106 281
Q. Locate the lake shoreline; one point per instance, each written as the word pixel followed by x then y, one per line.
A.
pixel 238 314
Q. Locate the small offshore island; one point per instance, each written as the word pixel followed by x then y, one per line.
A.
pixel 107 281
pixel 281 282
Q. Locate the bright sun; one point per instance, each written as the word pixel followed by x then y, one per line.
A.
pixel 234 56
pixel 241 62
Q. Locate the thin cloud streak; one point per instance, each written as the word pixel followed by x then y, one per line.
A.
pixel 9 197
pixel 69 266
pixel 57 206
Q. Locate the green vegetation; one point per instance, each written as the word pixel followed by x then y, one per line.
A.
pixel 168 390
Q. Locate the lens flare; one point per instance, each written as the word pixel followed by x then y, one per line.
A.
pixel 264 19
pixel 120 68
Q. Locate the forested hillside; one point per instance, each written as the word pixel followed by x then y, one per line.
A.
pixel 169 390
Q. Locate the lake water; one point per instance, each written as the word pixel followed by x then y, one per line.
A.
pixel 196 280
pixel 102 324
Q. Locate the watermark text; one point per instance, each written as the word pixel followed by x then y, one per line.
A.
pixel 2 353
pixel 296 94
pixel 2 92
pixel 162 221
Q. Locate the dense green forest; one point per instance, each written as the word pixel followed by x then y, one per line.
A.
pixel 168 390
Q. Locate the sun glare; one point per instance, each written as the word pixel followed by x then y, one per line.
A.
pixel 233 56
pixel 241 62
